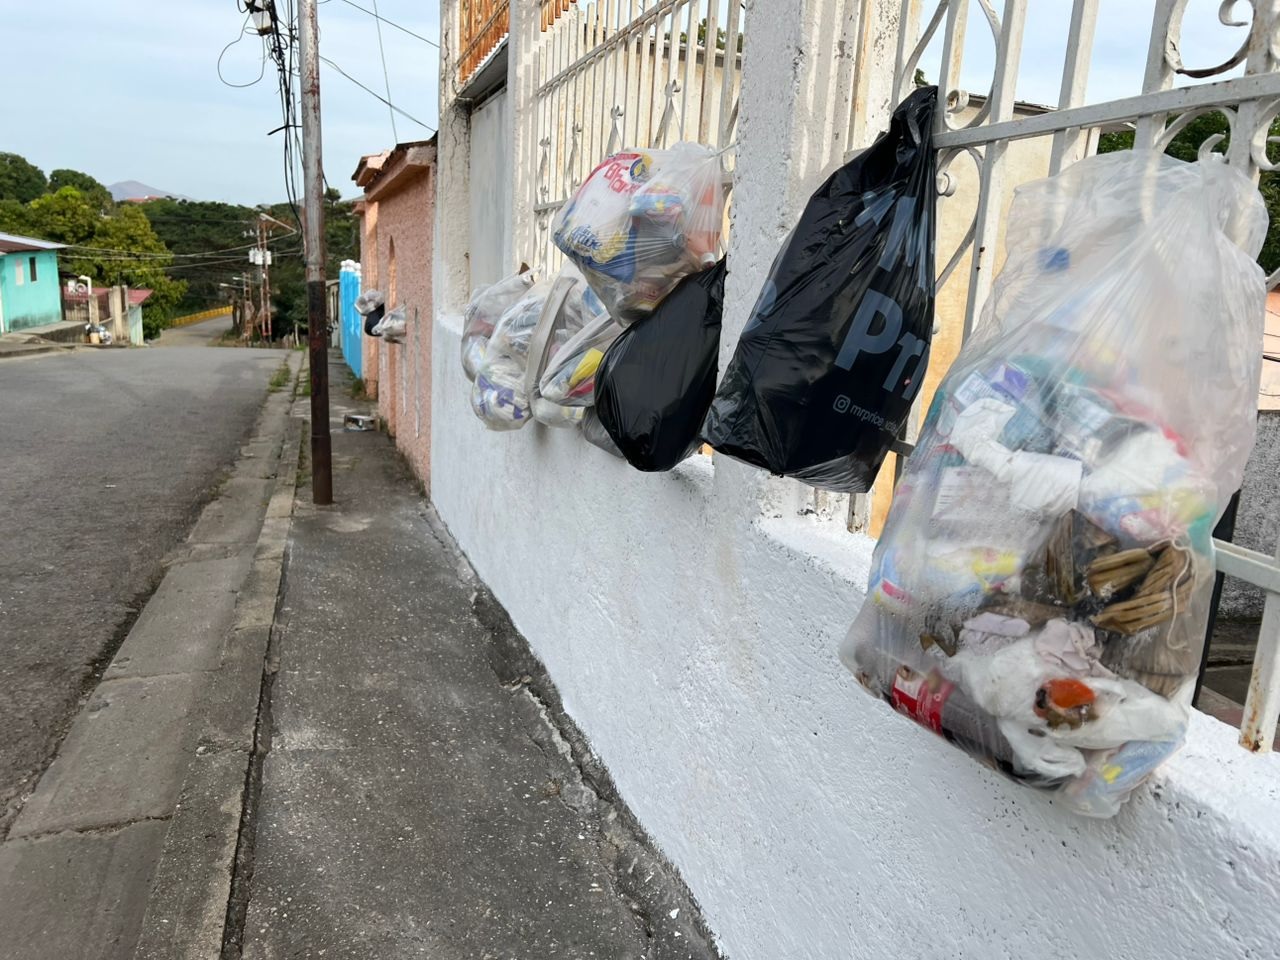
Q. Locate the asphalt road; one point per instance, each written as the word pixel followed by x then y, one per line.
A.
pixel 105 458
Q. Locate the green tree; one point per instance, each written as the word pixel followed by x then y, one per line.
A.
pixel 63 217
pixel 203 227
pixel 1186 146
pixel 19 180
pixel 93 191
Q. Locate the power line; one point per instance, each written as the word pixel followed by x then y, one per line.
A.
pixel 377 22
pixel 378 96
pixel 391 23
pixel 79 249
pixel 263 65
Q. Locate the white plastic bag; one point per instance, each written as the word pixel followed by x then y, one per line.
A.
pixel 392 326
pixel 483 312
pixel 641 221
pixel 1040 593
pixel 567 347
pixel 498 395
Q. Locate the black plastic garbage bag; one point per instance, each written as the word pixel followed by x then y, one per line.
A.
pixel 838 343
pixel 657 379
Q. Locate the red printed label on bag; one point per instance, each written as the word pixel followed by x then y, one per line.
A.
pixel 920 697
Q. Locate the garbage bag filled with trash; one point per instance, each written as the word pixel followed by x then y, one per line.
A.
pixel 1040 593
pixel 641 221
pixel 566 350
pixel 658 378
pixel 392 326
pixel 372 306
pixel 833 354
pixel 482 313
pixel 498 395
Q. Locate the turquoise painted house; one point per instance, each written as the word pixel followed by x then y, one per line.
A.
pixel 30 294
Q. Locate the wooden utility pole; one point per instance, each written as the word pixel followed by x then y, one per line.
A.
pixel 313 241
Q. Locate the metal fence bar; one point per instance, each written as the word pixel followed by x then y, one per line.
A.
pixel 1071 145
pixel 991 186
pixel 729 71
pixel 710 37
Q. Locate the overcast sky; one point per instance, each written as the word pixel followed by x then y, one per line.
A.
pixel 129 90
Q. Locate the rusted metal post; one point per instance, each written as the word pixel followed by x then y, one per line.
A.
pixel 313 241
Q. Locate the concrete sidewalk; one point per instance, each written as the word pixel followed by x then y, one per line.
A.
pixel 422 793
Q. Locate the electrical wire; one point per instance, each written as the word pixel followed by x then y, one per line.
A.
pixel 378 96
pixel 78 248
pixel 263 65
pixel 386 80
pixel 390 23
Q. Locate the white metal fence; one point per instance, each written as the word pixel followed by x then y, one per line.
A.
pixel 627 73
pixel 1244 88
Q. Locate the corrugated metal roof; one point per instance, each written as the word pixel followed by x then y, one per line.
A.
pixel 12 243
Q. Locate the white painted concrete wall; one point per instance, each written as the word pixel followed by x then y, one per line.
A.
pixel 690 621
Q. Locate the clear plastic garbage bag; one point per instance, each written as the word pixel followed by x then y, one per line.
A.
pixel 1040 593
pixel 837 345
pixel 392 326
pixel 567 348
pixel 483 312
pixel 498 395
pixel 641 221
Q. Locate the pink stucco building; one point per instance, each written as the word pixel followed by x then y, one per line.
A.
pixel 398 217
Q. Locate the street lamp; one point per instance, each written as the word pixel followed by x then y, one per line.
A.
pixel 263 15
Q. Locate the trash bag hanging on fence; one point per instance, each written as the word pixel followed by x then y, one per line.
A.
pixel 1040 593
pixel 834 352
pixel 498 394
pixel 392 326
pixel 371 305
pixel 641 221
pixel 483 312
pixel 657 380
pixel 566 349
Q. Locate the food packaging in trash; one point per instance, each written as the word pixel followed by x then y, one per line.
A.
pixel 498 395
pixel 641 221
pixel 371 305
pixel 834 352
pixel 566 350
pixel 657 379
pixel 1048 555
pixel 482 313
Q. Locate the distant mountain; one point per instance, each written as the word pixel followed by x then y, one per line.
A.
pixel 132 189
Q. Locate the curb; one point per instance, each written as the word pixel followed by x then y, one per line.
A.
pixel 35 350
pixel 191 890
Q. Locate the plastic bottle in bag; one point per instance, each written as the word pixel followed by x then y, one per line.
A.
pixel 641 221
pixel 1048 554
pixel 834 352
pixel 482 313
